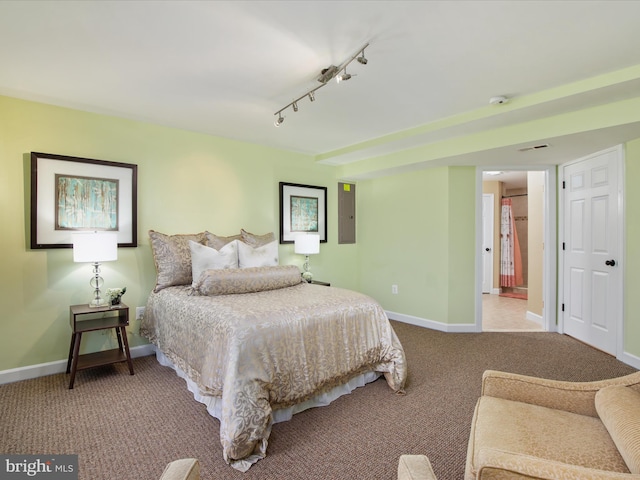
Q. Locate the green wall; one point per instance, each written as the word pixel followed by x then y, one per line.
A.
pixel 632 251
pixel 187 183
pixel 415 230
pixel 400 219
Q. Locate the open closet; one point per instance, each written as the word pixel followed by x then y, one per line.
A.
pixel 514 299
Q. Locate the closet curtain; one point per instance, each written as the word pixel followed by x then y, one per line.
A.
pixel 510 257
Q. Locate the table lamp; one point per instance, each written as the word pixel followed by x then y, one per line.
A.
pixel 307 244
pixel 95 247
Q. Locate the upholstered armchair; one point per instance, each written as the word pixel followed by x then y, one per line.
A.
pixel 527 427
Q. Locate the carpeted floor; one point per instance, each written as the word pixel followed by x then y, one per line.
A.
pixel 129 427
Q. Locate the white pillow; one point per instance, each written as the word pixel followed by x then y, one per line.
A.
pixel 263 256
pixel 207 258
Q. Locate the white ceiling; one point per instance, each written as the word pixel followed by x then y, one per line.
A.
pixel 225 67
pixel 512 179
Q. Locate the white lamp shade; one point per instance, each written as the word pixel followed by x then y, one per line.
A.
pixel 308 244
pixel 91 247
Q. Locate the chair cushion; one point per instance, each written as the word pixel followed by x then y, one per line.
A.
pixel 556 435
pixel 619 410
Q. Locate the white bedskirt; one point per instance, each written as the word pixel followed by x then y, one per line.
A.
pixel 214 404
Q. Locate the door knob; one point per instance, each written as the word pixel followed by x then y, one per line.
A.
pixel 611 263
pixel 487 249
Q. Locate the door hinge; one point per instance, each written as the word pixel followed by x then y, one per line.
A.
pixel 564 185
pixel 563 307
pixel 563 245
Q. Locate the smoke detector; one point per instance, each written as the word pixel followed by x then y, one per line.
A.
pixel 499 100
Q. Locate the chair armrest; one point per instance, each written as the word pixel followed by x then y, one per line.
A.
pixel 494 463
pixel 575 397
pixel 415 467
pixel 183 469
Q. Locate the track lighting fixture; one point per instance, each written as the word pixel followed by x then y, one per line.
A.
pixel 338 72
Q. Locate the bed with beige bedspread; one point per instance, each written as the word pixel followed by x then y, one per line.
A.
pixel 275 346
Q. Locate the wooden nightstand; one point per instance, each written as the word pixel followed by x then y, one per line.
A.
pixel 110 317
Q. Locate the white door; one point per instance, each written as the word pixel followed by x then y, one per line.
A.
pixel 592 285
pixel 487 242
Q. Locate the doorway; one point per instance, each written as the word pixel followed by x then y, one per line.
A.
pixel 517 299
pixel 592 238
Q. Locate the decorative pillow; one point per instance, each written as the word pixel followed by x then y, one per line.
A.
pixel 207 258
pixel 619 409
pixel 172 256
pixel 256 240
pixel 246 280
pixel 264 256
pixel 217 242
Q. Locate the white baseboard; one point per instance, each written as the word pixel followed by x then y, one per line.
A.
pixel 432 324
pixel 630 359
pixel 60 366
pixel 534 317
pixel 496 291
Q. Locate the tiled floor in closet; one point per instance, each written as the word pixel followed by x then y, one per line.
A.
pixel 506 314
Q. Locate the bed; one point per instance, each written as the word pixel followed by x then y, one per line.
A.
pixel 256 344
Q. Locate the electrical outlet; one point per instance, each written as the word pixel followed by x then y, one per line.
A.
pixel 139 313
pixel 394 289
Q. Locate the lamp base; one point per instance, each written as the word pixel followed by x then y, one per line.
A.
pixel 306 274
pixel 96 282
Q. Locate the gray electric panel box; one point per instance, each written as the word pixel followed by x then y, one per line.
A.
pixel 346 213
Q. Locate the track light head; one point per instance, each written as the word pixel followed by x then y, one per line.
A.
pixel 295 106
pixel 327 73
pixel 345 76
pixel 279 120
pixel 312 96
pixel 362 59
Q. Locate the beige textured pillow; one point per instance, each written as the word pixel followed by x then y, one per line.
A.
pixel 217 242
pixel 207 258
pixel 256 240
pixel 246 280
pixel 172 256
pixel 619 410
pixel 263 256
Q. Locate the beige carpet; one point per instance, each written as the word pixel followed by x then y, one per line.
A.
pixel 128 427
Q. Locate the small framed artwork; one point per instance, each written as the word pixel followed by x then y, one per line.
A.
pixel 71 194
pixel 303 209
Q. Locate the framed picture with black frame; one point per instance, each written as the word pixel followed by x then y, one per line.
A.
pixel 71 194
pixel 303 209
